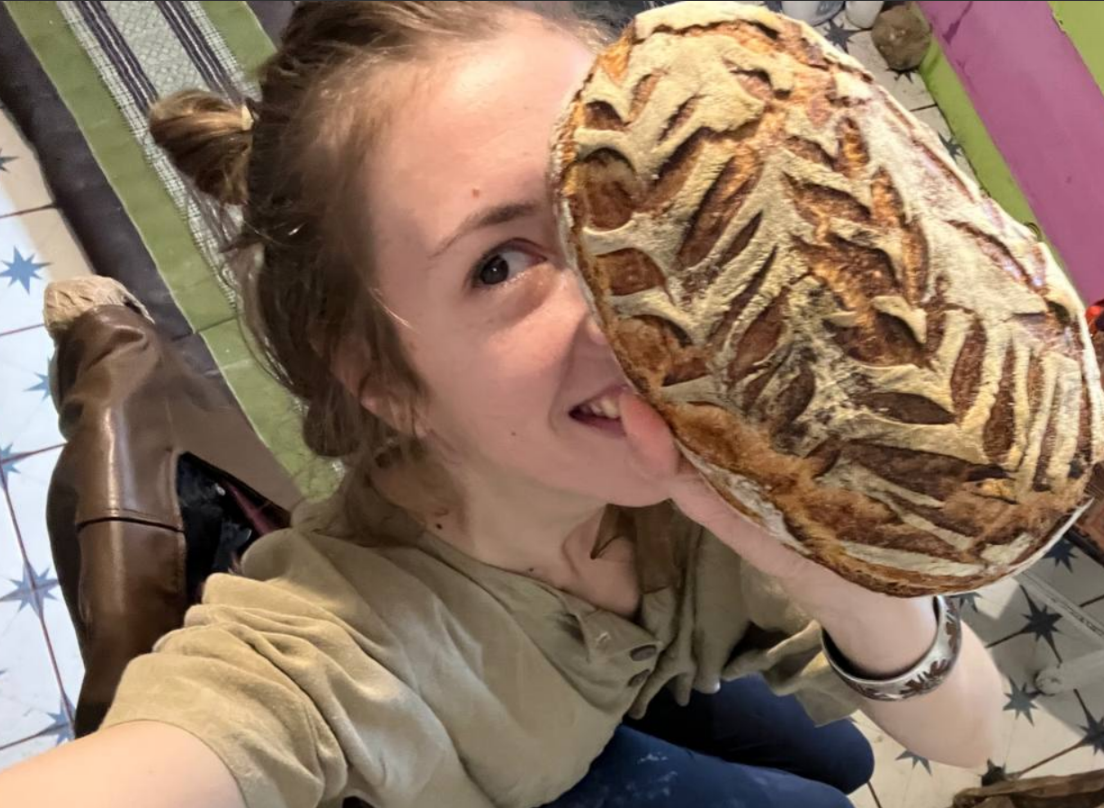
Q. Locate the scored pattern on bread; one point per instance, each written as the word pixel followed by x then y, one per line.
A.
pixel 858 349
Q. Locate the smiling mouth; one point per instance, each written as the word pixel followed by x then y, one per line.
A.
pixel 601 412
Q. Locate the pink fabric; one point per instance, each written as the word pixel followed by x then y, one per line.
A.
pixel 1044 112
pixel 264 520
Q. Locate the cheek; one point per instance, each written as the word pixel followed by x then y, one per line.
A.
pixel 497 376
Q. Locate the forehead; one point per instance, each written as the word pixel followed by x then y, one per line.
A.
pixel 476 124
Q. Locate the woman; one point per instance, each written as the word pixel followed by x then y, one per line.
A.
pixel 499 607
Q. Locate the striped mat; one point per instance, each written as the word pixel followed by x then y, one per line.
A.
pixel 94 68
pixel 144 51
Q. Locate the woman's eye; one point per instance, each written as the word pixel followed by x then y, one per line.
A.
pixel 503 266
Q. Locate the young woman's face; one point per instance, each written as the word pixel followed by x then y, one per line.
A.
pixel 495 326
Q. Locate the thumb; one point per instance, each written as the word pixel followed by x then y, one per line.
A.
pixel 650 439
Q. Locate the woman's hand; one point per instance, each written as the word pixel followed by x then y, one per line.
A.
pixel 659 458
pixel 842 607
pixel 881 636
pixel 877 632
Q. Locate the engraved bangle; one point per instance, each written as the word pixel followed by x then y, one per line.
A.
pixel 921 678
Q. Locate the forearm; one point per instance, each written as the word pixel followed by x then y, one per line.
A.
pixel 957 723
pixel 143 764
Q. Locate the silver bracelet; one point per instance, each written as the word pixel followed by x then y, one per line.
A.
pixel 923 677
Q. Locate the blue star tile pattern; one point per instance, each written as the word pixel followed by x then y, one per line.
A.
pixel 1042 623
pixel 7 453
pixel 4 161
pixel 31 590
pixel 1022 701
pixel 43 583
pixel 951 145
pixel 968 599
pixel 1093 729
pixel 60 733
pixel 43 386
pixel 7 465
pixel 923 761
pixel 22 269
pixel 61 728
pixel 775 6
pixel 837 35
pixel 1062 552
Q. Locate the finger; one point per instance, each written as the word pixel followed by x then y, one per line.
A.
pixel 649 438
pixel 699 500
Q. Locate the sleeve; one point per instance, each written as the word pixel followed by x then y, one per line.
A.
pixel 745 624
pixel 289 698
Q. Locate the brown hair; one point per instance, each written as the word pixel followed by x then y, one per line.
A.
pixel 290 159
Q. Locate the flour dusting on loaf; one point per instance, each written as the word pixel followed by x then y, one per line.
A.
pixel 856 346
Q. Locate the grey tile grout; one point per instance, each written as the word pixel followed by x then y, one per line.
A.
pixel 29 738
pixel 19 458
pixel 1091 601
pixel 41 611
pixel 13 744
pixel 874 794
pixel 14 213
pixel 1048 759
pixel 22 330
pixel 1039 752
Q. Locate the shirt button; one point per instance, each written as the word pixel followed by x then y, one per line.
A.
pixel 642 653
pixel 639 679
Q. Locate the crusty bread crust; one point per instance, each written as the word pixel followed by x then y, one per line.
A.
pixel 856 347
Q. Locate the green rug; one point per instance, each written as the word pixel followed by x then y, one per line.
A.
pixel 109 61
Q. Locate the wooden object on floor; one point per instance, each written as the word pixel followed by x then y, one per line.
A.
pixel 1084 790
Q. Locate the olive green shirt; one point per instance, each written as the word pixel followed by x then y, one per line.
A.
pixel 396 669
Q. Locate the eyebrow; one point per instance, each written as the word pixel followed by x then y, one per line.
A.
pixel 487 217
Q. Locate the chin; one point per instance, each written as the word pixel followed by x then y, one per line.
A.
pixel 628 494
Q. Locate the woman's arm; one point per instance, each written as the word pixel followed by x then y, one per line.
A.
pixel 958 722
pixel 144 763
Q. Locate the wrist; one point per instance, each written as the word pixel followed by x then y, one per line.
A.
pixel 885 637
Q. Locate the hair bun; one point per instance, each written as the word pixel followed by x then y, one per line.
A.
pixel 208 138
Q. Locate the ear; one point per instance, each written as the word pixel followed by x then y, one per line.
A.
pixel 350 369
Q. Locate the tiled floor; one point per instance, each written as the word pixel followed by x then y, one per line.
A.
pixel 40 668
pixel 40 665
pixel 1042 735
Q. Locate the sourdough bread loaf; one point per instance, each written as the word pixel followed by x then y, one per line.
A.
pixel 856 347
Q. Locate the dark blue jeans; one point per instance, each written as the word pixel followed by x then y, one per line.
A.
pixel 741 748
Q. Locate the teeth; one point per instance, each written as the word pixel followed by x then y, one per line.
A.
pixel 604 407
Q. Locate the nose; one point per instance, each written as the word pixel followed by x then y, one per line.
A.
pixel 594 331
pixel 588 328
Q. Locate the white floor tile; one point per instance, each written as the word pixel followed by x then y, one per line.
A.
pixel 11 556
pixel 25 750
pixel 1043 726
pixel 21 184
pixel 30 698
pixel 1036 727
pixel 864 798
pixel 1096 609
pixel 891 779
pixel 29 420
pixel 1071 572
pixel 35 248
pixel 28 490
